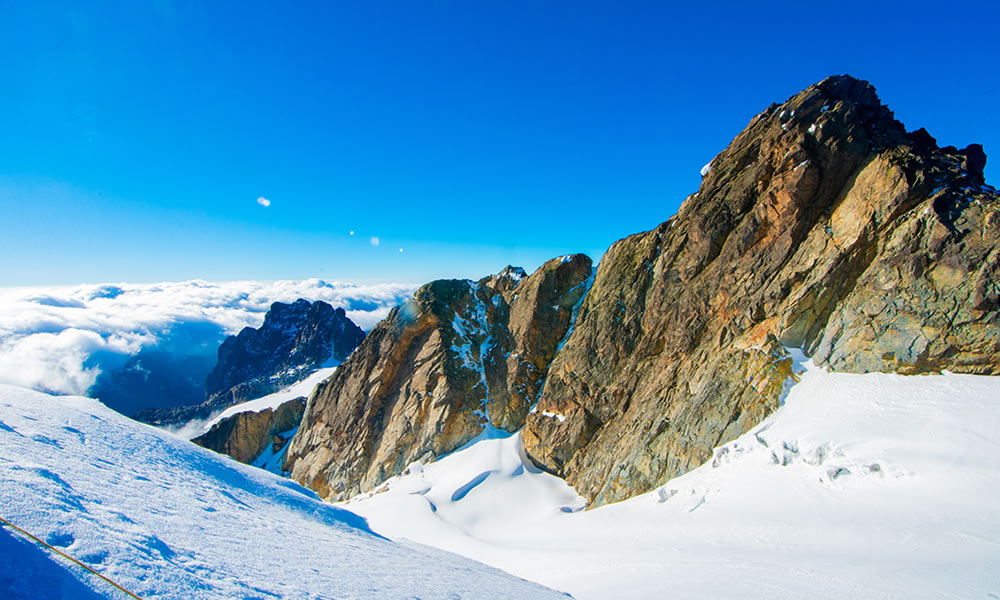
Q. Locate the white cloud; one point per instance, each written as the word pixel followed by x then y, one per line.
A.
pixel 376 241
pixel 56 339
pixel 52 362
pixel 263 201
pixel 400 249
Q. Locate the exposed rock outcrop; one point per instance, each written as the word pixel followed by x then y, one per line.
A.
pixel 824 225
pixel 295 340
pixel 244 436
pixel 427 378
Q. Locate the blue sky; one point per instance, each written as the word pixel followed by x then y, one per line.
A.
pixel 136 137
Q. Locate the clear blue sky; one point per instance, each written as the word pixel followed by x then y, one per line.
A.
pixel 136 137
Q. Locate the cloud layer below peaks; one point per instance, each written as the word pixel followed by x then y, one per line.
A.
pixel 55 339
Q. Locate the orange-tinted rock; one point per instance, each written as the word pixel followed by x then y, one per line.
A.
pixel 244 436
pixel 824 225
pixel 424 380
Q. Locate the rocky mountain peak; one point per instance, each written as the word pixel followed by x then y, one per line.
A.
pixel 459 357
pixel 506 281
pixel 294 340
pixel 824 226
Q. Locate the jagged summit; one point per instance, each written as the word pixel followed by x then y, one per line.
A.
pixel 294 340
pixel 459 357
pixel 824 225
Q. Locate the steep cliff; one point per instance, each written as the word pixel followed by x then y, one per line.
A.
pixel 824 225
pixel 244 436
pixel 431 376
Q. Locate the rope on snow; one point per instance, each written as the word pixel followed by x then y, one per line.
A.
pixel 66 556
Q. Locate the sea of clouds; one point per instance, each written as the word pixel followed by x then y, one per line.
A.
pixel 60 339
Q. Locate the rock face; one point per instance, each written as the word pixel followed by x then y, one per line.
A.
pixel 295 340
pixel 244 436
pixel 429 378
pixel 825 226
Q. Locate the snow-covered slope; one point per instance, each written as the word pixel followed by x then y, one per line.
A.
pixel 859 486
pixel 166 519
pixel 302 388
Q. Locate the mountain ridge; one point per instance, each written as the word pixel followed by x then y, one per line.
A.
pixel 823 225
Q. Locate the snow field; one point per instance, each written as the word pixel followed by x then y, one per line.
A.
pixel 860 486
pixel 167 519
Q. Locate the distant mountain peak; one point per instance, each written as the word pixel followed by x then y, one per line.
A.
pixel 294 340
